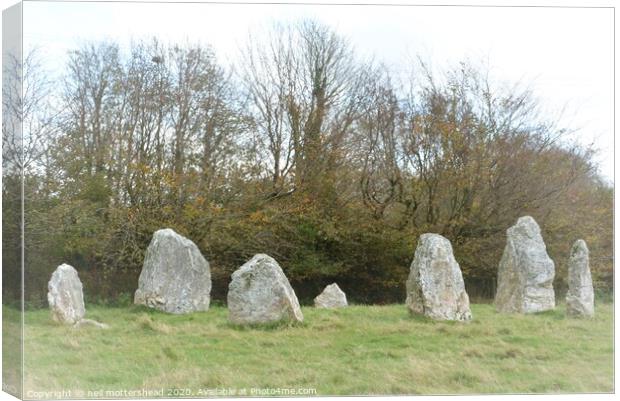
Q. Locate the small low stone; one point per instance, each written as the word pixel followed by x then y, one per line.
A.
pixel 331 297
pixel 90 322
pixel 260 293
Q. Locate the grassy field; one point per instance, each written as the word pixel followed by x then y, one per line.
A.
pixel 357 350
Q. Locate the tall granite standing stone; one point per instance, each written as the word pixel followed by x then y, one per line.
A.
pixel 175 277
pixel 331 297
pixel 580 296
pixel 435 286
pixel 525 274
pixel 260 293
pixel 64 296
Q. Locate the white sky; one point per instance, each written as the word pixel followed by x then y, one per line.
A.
pixel 565 54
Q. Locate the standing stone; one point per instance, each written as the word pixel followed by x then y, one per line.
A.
pixel 175 277
pixel 525 274
pixel 260 293
pixel 580 296
pixel 331 297
pixel 435 287
pixel 65 296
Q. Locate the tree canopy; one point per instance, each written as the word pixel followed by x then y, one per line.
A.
pixel 332 164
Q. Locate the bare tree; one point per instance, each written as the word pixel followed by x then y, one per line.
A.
pixel 29 125
pixel 91 107
pixel 204 114
pixel 301 82
pixel 379 144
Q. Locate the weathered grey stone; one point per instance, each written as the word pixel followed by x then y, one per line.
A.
pixel 175 277
pixel 331 297
pixel 260 293
pixel 580 296
pixel 64 296
pixel 525 274
pixel 435 286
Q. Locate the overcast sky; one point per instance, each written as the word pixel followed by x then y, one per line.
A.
pixel 564 54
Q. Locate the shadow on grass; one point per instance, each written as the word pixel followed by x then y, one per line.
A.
pixel 555 314
pixel 419 318
pixel 142 309
pixel 273 326
pixel 558 313
pixel 441 323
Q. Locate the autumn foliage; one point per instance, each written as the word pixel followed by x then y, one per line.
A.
pixel 331 164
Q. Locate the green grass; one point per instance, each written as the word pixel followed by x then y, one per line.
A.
pixel 352 351
pixel 11 351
